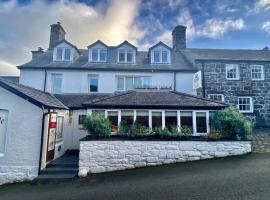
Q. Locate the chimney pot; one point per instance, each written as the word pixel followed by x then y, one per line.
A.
pixel 57 34
pixel 179 38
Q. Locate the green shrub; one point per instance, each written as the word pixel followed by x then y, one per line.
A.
pixel 137 130
pixel 232 124
pixel 98 126
pixel 124 129
pixel 186 131
pixel 162 133
pixel 214 135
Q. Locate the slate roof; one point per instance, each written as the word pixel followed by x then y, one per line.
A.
pixel 11 78
pixel 155 100
pixel 37 97
pixel 226 54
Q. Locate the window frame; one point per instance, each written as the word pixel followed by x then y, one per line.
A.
pixel 262 73
pixel 237 76
pixel 133 80
pixel 160 60
pixel 212 94
pixel 52 83
pixel 89 82
pixel 99 50
pixel 62 135
pixel 251 110
pixel 63 54
pixel 125 51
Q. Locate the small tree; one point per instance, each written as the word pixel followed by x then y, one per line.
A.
pixel 232 124
pixel 98 126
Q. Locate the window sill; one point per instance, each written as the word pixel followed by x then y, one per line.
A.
pixel 257 79
pixel 246 112
pixel 228 79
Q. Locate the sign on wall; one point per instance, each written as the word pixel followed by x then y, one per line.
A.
pixel 197 80
pixel 3 129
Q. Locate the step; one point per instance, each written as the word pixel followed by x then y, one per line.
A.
pixel 54 177
pixel 63 165
pixel 60 170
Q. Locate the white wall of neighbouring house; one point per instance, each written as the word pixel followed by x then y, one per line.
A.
pixel 33 78
pixel 184 83
pixel 20 159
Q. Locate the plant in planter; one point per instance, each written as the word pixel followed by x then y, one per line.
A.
pixel 138 130
pixel 98 126
pixel 162 132
pixel 214 135
pixel 232 124
pixel 124 129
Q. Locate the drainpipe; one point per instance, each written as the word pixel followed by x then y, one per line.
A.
pixel 45 80
pixel 203 81
pixel 42 140
pixel 174 81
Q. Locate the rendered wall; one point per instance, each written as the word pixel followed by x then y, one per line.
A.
pixel 104 156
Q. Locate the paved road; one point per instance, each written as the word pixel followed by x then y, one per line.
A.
pixel 244 177
pixel 261 140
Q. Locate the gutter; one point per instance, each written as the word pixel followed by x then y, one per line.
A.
pixel 42 140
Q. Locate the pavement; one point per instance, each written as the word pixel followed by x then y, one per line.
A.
pixel 242 177
pixel 261 140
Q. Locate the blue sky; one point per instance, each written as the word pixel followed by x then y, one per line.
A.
pixel 210 24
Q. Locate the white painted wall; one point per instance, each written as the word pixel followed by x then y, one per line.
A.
pixel 184 83
pixel 33 78
pixel 21 157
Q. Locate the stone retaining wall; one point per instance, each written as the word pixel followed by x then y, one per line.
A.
pixel 105 156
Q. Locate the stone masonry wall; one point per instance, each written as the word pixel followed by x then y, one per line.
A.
pixel 214 80
pixel 105 156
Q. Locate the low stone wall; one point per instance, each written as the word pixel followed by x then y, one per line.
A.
pixel 10 174
pixel 112 155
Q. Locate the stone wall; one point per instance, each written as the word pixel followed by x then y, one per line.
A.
pixel 214 81
pixel 105 156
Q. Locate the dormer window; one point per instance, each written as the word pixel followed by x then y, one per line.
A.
pixel 125 56
pixel 98 55
pixel 63 54
pixel 160 57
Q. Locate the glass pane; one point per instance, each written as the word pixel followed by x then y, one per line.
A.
pixel 93 83
pixel 59 127
pixel 81 119
pixel 201 122
pixel 186 119
pixel 98 112
pixel 56 83
pixel 113 117
pixel 67 54
pixel 138 82
pixel 59 53
pixel 142 118
pixel 156 119
pixel 170 119
pixel 156 56
pixel 120 83
pixel 211 115
pixel 164 56
pixel 146 82
pixel 127 116
pixel 129 56
pixel 121 56
pixel 94 55
pixel 129 83
pixel 103 55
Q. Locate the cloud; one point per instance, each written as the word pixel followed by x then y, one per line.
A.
pixel 186 19
pixel 266 27
pixel 216 28
pixel 262 5
pixel 28 26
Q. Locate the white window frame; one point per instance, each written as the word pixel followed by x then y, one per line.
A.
pixel 160 57
pixel 125 51
pixel 60 139
pixel 63 54
pixel 222 96
pixel 251 105
pixel 52 82
pixel 89 87
pixel 237 71
pixel 262 72
pixel 131 76
pixel 98 55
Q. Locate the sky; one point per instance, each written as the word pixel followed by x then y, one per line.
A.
pixel 230 24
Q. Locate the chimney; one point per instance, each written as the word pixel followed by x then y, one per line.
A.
pixel 37 53
pixel 57 34
pixel 179 38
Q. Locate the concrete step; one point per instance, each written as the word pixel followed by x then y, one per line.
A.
pixel 60 170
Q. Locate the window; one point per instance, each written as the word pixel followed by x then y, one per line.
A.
pixel 156 119
pixel 59 127
pixel 201 124
pixel 113 117
pixel 171 120
pixel 56 83
pixel 142 117
pixel 186 119
pixel 257 72
pixel 81 119
pixel 98 112
pixel 98 55
pixel 232 72
pixel 127 116
pixel 160 57
pixel 132 82
pixel 216 97
pixel 63 54
pixel 211 116
pixel 3 130
pixel 93 83
pixel 245 104
pixel 125 56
